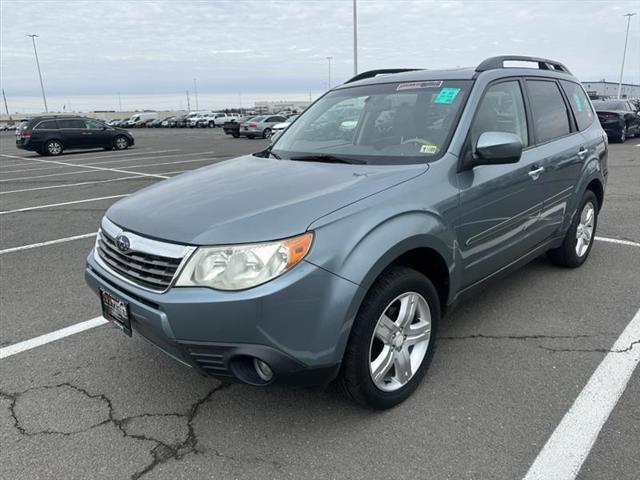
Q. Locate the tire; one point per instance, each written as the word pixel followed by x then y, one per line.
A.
pixel 622 136
pixel 53 148
pixel 579 239
pixel 235 135
pixel 120 143
pixel 365 350
pixel 266 133
pixel 212 125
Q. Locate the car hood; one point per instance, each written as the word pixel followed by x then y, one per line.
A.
pixel 251 199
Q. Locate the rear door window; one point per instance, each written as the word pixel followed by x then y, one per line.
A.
pixel 580 104
pixel 94 124
pixel 47 125
pixel 550 116
pixel 71 123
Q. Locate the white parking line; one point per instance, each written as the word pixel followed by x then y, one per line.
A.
pixel 616 240
pixel 92 182
pixel 51 337
pixel 106 154
pixel 50 242
pixel 77 172
pixel 99 168
pixel 51 205
pixel 84 165
pixel 568 447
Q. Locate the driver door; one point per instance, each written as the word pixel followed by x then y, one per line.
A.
pixel 500 205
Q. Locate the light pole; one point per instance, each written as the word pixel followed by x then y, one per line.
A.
pixel 44 98
pixel 355 38
pixel 119 101
pixel 624 52
pixel 195 91
pixel 329 60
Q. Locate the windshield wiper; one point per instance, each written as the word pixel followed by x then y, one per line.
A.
pixel 267 153
pixel 327 159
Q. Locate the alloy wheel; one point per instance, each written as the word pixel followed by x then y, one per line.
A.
pixel 121 143
pixel 54 148
pixel 584 230
pixel 400 341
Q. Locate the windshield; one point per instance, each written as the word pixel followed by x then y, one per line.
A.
pixel 610 104
pixel 410 122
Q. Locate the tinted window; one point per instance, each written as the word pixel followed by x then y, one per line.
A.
pixel 579 104
pixel 94 124
pixel 71 123
pixel 47 125
pixel 501 110
pixel 550 119
pixel 610 105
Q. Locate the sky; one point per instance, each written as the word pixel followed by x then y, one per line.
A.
pixel 242 50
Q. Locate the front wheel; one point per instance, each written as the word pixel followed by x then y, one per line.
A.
pixel 392 339
pixel 266 133
pixel 121 143
pixel 622 136
pixel 579 239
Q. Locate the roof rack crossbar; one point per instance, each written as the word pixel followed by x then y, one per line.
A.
pixel 373 73
pixel 543 63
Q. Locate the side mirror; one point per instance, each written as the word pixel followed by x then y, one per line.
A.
pixel 495 148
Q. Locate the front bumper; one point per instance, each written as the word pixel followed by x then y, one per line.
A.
pixel 297 323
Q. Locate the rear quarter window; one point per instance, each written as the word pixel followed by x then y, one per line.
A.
pixel 580 105
pixel 47 125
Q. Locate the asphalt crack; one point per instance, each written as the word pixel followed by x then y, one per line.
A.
pixel 161 451
pixel 514 337
pixel 592 350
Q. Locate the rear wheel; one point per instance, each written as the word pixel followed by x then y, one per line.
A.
pixel 235 135
pixel 622 136
pixel 53 148
pixel 120 143
pixel 266 133
pixel 578 241
pixel 392 339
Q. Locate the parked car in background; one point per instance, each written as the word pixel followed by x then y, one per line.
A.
pixel 219 119
pixel 333 254
pixel 619 118
pixel 114 122
pixel 52 134
pixel 279 127
pixel 139 119
pixel 232 127
pixel 167 122
pixel 261 126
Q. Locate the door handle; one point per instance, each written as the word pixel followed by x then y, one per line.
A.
pixel 582 153
pixel 535 174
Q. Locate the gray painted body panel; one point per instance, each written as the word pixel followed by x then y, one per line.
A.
pixel 250 199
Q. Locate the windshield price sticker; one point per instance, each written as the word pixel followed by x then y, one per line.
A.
pixel 446 95
pixel 412 85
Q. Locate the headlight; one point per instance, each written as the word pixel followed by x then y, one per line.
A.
pixel 237 267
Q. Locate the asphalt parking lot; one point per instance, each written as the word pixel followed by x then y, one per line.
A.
pixel 97 404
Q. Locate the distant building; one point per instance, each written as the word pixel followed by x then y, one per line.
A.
pixel 606 89
pixel 266 107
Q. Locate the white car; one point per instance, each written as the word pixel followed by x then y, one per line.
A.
pixel 280 127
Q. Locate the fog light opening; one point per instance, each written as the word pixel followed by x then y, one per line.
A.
pixel 263 370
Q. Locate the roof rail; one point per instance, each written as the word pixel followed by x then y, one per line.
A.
pixel 543 63
pixel 373 73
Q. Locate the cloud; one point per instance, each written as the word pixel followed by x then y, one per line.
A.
pixel 99 47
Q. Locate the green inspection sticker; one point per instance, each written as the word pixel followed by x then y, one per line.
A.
pixel 429 148
pixel 446 95
pixel 576 100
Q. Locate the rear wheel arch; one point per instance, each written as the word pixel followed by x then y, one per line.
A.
pixel 597 188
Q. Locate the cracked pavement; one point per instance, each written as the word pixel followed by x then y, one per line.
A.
pixel 508 365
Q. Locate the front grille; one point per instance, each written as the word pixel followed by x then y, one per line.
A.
pixel 209 359
pixel 154 272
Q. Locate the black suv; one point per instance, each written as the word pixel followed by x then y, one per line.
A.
pixel 50 135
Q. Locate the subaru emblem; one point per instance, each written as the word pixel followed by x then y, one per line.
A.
pixel 123 243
